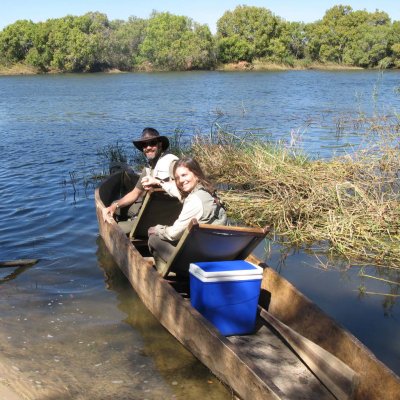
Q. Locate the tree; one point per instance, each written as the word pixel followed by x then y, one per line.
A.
pixel 329 37
pixel 78 43
pixel 395 43
pixel 176 43
pixel 247 33
pixel 351 37
pixel 124 42
pixel 368 47
pixel 16 40
pixel 39 55
pixel 88 43
pixel 290 45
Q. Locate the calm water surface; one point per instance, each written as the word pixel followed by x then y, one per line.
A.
pixel 71 325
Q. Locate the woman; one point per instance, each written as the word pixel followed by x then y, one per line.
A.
pixel 199 202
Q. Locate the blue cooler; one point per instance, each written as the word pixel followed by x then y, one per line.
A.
pixel 226 293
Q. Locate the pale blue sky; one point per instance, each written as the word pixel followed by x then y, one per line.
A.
pixel 203 11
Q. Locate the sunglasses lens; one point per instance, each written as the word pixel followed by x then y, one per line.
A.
pixel 151 143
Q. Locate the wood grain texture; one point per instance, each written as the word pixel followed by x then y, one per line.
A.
pixel 338 377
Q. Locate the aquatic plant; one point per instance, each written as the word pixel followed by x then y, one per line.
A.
pixel 348 205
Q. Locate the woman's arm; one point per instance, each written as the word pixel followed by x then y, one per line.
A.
pixel 192 208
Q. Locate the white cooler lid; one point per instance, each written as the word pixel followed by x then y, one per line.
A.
pixel 215 271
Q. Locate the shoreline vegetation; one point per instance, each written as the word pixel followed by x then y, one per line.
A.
pixel 247 38
pixel 21 69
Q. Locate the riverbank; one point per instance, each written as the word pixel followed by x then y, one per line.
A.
pixel 18 69
pixel 22 69
pixel 258 65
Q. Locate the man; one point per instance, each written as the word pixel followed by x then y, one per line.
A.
pixel 158 173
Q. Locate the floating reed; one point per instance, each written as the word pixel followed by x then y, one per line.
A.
pixel 348 205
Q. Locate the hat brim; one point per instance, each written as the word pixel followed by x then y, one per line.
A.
pixel 163 139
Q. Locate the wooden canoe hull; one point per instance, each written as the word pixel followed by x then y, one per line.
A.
pixel 220 354
pixel 376 381
pixel 179 318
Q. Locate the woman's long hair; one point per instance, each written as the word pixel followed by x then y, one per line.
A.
pixel 192 165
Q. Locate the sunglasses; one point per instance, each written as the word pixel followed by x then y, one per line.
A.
pixel 150 143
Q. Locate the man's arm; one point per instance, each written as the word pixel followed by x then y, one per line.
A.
pixel 127 200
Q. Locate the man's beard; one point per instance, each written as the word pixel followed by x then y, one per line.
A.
pixel 153 158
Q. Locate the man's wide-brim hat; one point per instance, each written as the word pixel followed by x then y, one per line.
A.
pixel 149 136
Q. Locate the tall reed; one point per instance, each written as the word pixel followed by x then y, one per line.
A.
pixel 349 205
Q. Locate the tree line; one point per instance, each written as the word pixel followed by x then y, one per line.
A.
pixel 164 41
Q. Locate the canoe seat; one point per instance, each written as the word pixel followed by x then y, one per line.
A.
pixel 158 208
pixel 206 242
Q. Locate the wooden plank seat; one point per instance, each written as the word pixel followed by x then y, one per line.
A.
pixel 158 208
pixel 206 242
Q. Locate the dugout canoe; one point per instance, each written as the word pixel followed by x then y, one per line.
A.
pixel 258 366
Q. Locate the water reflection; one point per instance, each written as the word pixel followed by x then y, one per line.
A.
pixel 186 376
pixel 381 282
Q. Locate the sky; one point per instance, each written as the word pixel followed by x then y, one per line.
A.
pixel 202 11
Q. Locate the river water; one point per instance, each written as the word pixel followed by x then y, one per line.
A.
pixel 71 326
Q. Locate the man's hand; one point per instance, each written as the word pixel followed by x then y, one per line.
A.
pixel 148 182
pixel 107 216
pixel 109 212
